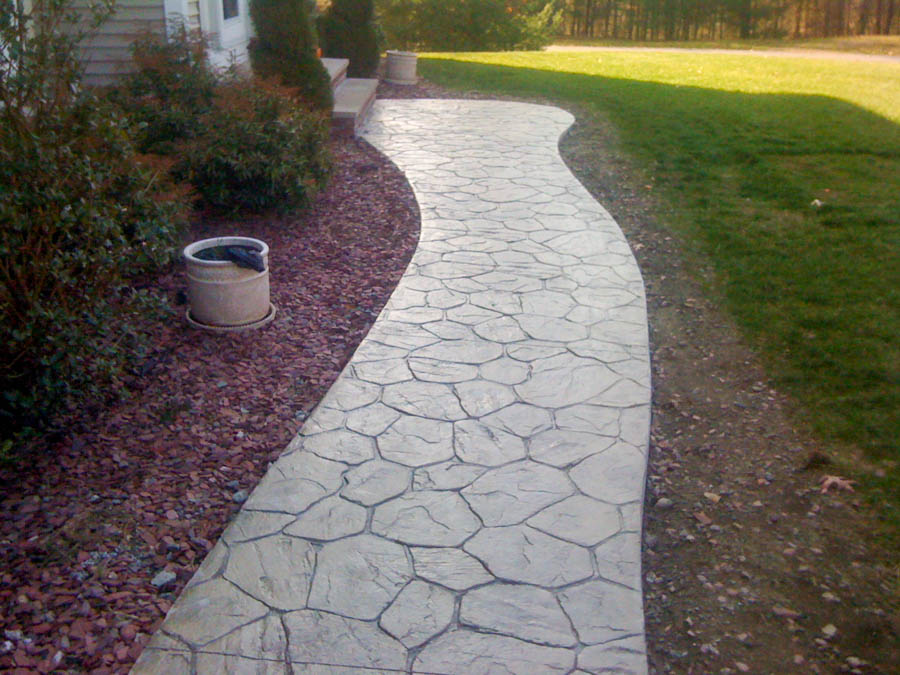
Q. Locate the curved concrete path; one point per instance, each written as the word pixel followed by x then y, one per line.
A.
pixel 467 497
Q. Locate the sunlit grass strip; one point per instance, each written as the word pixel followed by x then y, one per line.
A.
pixel 863 44
pixel 873 86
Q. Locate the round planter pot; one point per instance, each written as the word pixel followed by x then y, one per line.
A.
pixel 223 295
pixel 401 67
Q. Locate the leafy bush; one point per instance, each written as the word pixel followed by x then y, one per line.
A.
pixel 259 151
pixel 537 29
pixel 79 217
pixel 348 31
pixel 467 25
pixel 170 90
pixel 285 49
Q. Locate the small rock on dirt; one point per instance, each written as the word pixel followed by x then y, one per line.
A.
pixel 784 612
pixel 163 578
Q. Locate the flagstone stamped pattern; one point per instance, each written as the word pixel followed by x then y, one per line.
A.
pixel 467 497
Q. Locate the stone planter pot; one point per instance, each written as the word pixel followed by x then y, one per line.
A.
pixel 401 67
pixel 222 295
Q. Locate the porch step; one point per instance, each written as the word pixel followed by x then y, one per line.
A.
pixel 353 98
pixel 337 70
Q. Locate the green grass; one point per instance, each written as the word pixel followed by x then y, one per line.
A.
pixel 888 45
pixel 739 146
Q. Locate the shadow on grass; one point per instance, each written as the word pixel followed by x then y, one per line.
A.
pixel 815 285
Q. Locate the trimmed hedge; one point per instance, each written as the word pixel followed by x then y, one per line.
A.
pixel 285 48
pixel 467 25
pixel 348 31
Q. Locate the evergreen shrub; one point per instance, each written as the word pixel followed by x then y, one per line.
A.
pixel 285 48
pixel 348 31
pixel 468 25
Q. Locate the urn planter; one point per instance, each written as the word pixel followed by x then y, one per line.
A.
pixel 400 67
pixel 222 295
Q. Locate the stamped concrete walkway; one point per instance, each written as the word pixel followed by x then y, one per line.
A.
pixel 467 497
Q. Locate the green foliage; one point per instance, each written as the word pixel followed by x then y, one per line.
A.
pixel 285 49
pixel 466 25
pixel 79 218
pixel 348 31
pixel 169 91
pixel 259 151
pixel 398 23
pixel 538 29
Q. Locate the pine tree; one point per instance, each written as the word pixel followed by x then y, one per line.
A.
pixel 285 48
pixel 348 31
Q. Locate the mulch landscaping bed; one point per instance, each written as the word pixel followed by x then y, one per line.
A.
pixel 93 514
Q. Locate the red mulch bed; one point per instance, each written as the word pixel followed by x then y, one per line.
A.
pixel 149 483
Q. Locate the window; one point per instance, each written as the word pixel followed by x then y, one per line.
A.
pixel 229 9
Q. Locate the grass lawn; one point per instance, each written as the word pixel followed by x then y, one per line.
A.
pixel 863 44
pixel 738 147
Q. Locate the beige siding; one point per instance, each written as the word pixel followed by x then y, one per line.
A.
pixel 108 53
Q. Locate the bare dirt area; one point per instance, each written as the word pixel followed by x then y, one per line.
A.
pixel 756 558
pixel 105 520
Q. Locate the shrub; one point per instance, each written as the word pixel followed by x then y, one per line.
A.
pixel 285 49
pixel 399 23
pixel 348 31
pixel 80 217
pixel 259 151
pixel 467 25
pixel 537 30
pixel 170 90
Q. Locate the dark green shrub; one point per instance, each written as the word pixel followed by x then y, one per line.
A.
pixel 399 23
pixel 259 151
pixel 285 48
pixel 347 31
pixel 79 218
pixel 169 91
pixel 468 25
pixel 537 29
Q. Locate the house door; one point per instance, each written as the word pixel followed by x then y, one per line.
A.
pixel 232 21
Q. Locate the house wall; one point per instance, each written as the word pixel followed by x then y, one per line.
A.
pixel 107 54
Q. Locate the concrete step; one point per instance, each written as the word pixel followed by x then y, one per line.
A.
pixel 353 98
pixel 337 69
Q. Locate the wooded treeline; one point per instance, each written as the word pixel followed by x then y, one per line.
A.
pixel 725 19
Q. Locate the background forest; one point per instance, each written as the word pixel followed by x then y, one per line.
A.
pixel 725 19
pixel 474 25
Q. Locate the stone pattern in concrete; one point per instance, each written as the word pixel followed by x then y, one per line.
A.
pixel 467 497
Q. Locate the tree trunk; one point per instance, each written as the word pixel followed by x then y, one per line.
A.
pixel 746 19
pixel 889 18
